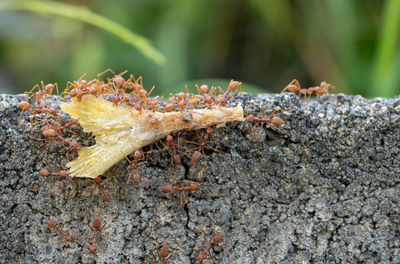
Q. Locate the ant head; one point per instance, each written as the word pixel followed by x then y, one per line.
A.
pixel 169 108
pixel 93 90
pixel 97 180
pixel 138 107
pixel 169 139
pixel 49 88
pixel 142 93
pixel 119 80
pixel 75 144
pixel 51 224
pixel 52 111
pixel 137 155
pixel 116 99
pixel 96 223
pixel 182 104
pixel 208 99
pixel 92 249
pixel 223 101
pixel 164 252
pixel 181 96
pixel 82 83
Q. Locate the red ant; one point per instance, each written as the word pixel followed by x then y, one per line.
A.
pixel 81 88
pixel 43 92
pixel 59 229
pixel 101 188
pixel 168 189
pixel 275 121
pixel 175 158
pixel 182 99
pixel 206 97
pixel 233 85
pixel 212 243
pixel 320 90
pixel 294 87
pixel 53 131
pixel 26 106
pixel 196 156
pixel 117 79
pixel 56 175
pixel 136 178
pixel 59 174
pixel 163 255
pixel 96 228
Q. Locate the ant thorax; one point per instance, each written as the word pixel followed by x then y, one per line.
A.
pixel 121 129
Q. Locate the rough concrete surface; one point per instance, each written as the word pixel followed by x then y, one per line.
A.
pixel 324 189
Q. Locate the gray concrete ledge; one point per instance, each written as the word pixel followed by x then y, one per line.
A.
pixel 324 190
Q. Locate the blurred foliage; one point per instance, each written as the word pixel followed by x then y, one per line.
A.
pixel 267 43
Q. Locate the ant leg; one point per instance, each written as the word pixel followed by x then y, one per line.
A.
pixel 108 220
pixel 108 70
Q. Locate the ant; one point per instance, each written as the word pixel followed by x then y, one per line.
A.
pixel 322 89
pixel 59 174
pixel 212 243
pixel 206 97
pixel 163 254
pixel 294 87
pixel 56 175
pixel 53 131
pixel 175 158
pixel 168 189
pixel 59 229
pixel 102 190
pixel 43 92
pixel 96 228
pixel 117 79
pixel 196 156
pixel 275 121
pixel 81 88
pixel 233 85
pixel 136 178
pixel 26 106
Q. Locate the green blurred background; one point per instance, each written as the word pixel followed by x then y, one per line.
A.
pixel 263 43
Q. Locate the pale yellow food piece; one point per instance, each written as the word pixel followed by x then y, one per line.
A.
pixel 120 130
